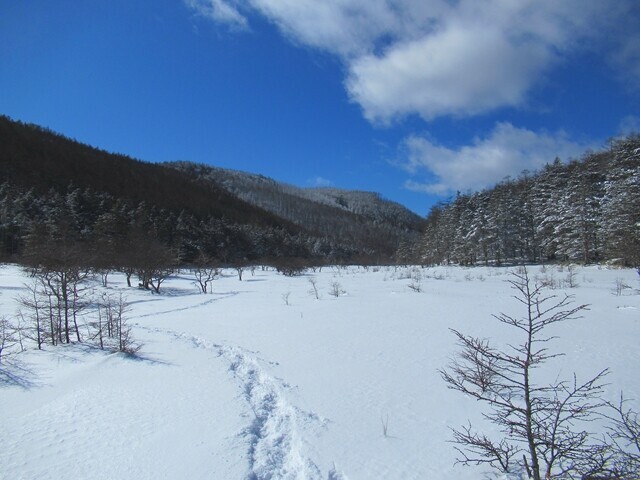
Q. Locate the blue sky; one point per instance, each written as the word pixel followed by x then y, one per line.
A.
pixel 415 99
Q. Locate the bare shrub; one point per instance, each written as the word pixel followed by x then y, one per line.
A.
pixel 112 330
pixel 416 281
pixel 336 289
pixel 290 267
pixel 620 286
pixel 547 279
pixel 571 280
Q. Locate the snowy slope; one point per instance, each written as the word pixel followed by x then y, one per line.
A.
pixel 239 384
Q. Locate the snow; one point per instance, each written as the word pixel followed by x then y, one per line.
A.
pixel 236 384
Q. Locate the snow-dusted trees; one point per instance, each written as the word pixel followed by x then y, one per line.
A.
pixel 621 211
pixel 543 426
pixel 437 242
pixel 585 211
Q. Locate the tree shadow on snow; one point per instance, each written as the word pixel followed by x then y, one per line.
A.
pixel 177 292
pixel 15 373
pixel 142 358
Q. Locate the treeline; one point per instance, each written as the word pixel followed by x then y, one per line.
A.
pixel 114 212
pixel 585 211
pixel 32 157
pixel 350 217
pixel 103 231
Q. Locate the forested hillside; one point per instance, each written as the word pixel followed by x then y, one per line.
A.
pixel 58 196
pixel 586 211
pixel 360 218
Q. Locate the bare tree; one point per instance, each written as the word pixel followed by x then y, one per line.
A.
pixel 62 284
pixel 154 278
pixel 205 275
pixel 240 269
pixel 111 328
pixel 543 426
pixel 151 260
pixel 314 288
pixel 60 277
pixel 35 306
pixel 126 343
pixel 7 335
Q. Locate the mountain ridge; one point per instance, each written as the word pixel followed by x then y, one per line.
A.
pixel 61 175
pixel 322 209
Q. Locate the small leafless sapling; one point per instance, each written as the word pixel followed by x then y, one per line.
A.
pixel 314 288
pixel 621 286
pixel 336 289
pixel 624 436
pixel 416 281
pixel 385 425
pixel 572 274
pixel 285 297
pixel 112 329
pixel 7 336
pixel 543 425
pixel 33 309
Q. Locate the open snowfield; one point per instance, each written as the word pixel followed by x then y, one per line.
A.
pixel 237 384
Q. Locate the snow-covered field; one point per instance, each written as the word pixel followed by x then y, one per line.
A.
pixel 238 384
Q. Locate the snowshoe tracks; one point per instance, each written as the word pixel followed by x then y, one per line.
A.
pixel 276 445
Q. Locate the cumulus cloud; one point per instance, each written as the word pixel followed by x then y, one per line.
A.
pixel 346 28
pixel 507 151
pixel 436 57
pixel 458 71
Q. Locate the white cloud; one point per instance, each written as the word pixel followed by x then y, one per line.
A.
pixel 220 11
pixel 440 57
pixel 507 151
pixel 345 28
pixel 458 71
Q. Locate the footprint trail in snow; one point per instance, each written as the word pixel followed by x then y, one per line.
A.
pixel 276 445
